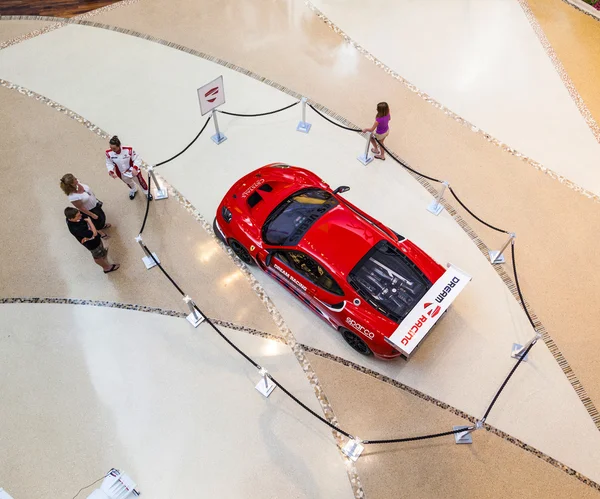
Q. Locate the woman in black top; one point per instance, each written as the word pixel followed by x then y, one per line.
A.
pixel 86 233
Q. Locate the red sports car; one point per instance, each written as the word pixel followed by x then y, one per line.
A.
pixel 356 274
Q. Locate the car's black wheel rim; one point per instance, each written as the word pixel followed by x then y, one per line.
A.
pixel 241 252
pixel 355 342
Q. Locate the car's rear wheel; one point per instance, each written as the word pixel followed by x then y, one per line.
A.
pixel 241 252
pixel 356 342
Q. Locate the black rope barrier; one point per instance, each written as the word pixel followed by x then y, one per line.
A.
pixel 473 214
pixel 288 393
pixel 514 265
pixel 258 114
pixel 283 389
pixel 402 163
pixel 187 147
pixel 333 122
pixel 147 203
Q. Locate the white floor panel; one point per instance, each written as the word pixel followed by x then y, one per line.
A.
pixel 482 60
pixel 85 389
pixel 465 358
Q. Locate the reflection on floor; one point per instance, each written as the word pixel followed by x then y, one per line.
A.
pixel 53 8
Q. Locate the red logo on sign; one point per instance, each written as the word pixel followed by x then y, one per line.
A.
pixel 211 95
pixel 434 312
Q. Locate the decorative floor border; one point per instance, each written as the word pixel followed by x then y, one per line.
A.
pixel 58 22
pixel 278 319
pixel 559 357
pixel 538 166
pixel 135 308
pixel 315 351
pixel 583 8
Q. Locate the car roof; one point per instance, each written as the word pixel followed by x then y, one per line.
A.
pixel 340 239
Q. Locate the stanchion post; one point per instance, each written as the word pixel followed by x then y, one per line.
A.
pixel 435 206
pixel 194 318
pixel 161 193
pixel 518 350
pixel 465 437
pixel 497 257
pixel 265 385
pixel 148 261
pixel 353 448
pixel 303 126
pixel 218 137
pixel 365 159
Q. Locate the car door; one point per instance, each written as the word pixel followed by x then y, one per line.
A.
pixel 286 267
pixel 321 294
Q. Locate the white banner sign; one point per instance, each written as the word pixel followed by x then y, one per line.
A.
pixel 430 308
pixel 211 95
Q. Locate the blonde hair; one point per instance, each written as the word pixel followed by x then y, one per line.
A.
pixel 67 184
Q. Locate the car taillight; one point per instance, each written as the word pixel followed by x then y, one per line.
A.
pixel 226 214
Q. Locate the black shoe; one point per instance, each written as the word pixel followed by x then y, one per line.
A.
pixel 150 197
pixel 132 195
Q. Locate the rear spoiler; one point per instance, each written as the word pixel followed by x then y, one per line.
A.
pixel 425 314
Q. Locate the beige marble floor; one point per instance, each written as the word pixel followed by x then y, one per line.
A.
pixel 15 28
pixel 491 468
pixel 299 51
pixel 46 261
pixel 85 389
pixel 413 139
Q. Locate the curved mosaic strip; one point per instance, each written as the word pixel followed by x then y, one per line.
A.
pixel 59 22
pixel 582 7
pixel 505 147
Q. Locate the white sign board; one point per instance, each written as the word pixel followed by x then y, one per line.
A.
pixel 430 308
pixel 211 95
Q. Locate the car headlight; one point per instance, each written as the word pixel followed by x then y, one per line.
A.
pixel 226 214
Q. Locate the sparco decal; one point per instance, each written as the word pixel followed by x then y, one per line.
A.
pixel 414 329
pixel 252 187
pixel 291 278
pixel 361 329
pixel 447 289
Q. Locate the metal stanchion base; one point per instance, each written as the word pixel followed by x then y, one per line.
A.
pixel 160 194
pixel 303 127
pixel 195 320
pixel 365 160
pixel 148 262
pixel 464 437
pixel 265 390
pixel 435 207
pixel 353 449
pixel 218 138
pixel 517 353
pixel 495 259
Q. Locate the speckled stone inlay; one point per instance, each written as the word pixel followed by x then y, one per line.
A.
pixel 56 22
pixel 505 147
pixel 582 7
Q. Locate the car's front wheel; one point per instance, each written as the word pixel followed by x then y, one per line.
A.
pixel 241 252
pixel 356 342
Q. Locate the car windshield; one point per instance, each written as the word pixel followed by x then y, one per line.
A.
pixel 389 281
pixel 286 225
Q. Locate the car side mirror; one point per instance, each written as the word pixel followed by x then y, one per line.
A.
pixel 268 259
pixel 341 188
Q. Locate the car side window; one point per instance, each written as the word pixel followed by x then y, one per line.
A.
pixel 310 269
